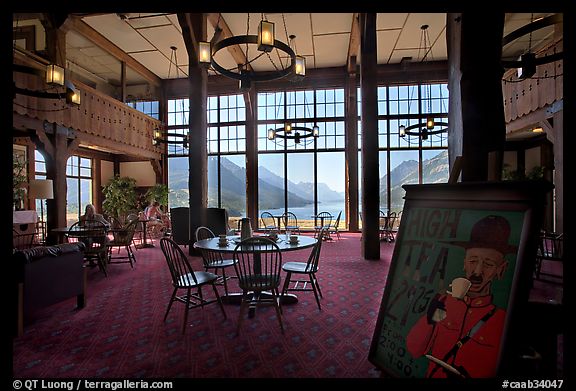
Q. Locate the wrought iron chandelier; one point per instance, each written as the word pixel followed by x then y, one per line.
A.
pixel 163 135
pixel 299 134
pixel 265 42
pixel 429 127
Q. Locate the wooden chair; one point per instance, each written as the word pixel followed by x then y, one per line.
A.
pixel 123 237
pixel 258 267
pixel 214 260
pixel 290 222
pixel 95 237
pixel 138 231
pixel 21 241
pixel 268 222
pixel 309 268
pixel 184 277
pixel 334 228
pixel 325 222
pixel 550 249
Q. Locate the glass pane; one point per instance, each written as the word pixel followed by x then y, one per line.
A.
pixel 383 173
pixel 301 188
pixel 178 182
pixel 435 166
pixel 270 184
pixel 331 184
pixel 233 186
pixel 403 170
pixel 72 201
pixel 85 193
pixel 213 182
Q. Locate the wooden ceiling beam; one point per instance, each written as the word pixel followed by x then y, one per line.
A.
pixel 82 28
pixel 218 21
pixel 353 44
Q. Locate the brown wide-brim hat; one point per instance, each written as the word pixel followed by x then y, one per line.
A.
pixel 489 232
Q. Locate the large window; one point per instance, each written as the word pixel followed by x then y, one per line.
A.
pixel 79 187
pixel 309 177
pixel 148 107
pixel 312 172
pixel 40 173
pixel 412 158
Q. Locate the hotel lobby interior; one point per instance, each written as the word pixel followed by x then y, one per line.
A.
pixel 394 182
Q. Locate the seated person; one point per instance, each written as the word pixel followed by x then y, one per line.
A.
pixel 91 215
pixel 157 219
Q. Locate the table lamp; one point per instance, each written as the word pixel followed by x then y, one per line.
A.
pixel 41 189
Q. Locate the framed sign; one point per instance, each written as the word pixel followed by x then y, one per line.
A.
pixel 460 273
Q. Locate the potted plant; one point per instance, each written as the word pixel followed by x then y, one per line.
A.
pixel 158 192
pixel 19 180
pixel 120 197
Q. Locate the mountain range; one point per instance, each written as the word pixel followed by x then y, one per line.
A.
pixel 271 186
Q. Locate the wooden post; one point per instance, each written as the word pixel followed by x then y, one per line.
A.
pixel 370 178
pixel 194 30
pixel 251 157
pixel 476 117
pixel 351 151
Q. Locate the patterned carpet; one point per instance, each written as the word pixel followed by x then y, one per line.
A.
pixel 120 333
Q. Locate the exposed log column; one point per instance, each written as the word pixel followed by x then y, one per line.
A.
pixel 57 149
pixel 251 157
pixel 352 148
pixel 477 127
pixel 370 169
pixel 194 30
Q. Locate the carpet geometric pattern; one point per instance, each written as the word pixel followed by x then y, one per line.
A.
pixel 121 334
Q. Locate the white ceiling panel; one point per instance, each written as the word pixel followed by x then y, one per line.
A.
pixel 390 21
pixel 76 40
pixel 411 34
pixel 332 23
pixel 164 37
pixel 157 63
pixel 298 25
pixel 386 40
pixel 135 77
pixel 151 21
pixel 93 51
pixel 398 54
pixel 119 32
pixel 331 50
pixel 107 60
pixel 174 19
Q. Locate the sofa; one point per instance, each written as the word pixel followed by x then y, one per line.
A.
pixel 46 275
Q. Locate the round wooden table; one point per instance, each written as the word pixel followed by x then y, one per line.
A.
pixel 283 244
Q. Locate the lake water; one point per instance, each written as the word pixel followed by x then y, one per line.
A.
pixel 306 212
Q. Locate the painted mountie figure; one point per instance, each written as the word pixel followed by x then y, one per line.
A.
pixel 461 333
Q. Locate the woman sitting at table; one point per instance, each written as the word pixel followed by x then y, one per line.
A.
pixel 91 215
pixel 158 221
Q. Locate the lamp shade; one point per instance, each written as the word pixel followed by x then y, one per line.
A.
pixel 55 75
pixel 41 189
pixel 265 36
pixel 204 53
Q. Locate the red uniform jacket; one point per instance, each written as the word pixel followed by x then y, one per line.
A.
pixel 478 356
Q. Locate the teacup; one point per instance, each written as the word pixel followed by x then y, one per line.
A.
pixel 293 238
pixel 459 287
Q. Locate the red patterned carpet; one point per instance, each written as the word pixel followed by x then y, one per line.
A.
pixel 120 333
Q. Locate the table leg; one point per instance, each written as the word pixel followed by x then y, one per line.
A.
pixel 145 243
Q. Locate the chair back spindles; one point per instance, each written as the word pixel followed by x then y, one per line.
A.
pixel 314 257
pixel 180 269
